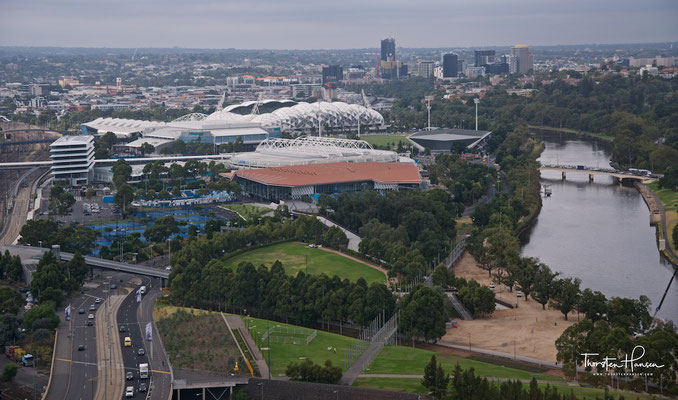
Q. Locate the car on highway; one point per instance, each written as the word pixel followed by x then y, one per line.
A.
pixel 81 311
pixel 123 328
pixel 81 347
pixel 91 316
pixel 142 387
pixel 129 376
pixel 90 323
pixel 128 341
pixel 98 300
pixel 141 352
pixel 129 391
pixel 92 307
pixel 113 286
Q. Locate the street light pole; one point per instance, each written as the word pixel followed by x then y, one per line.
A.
pixel 476 101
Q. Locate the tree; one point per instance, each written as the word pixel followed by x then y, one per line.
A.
pixel 36 232
pixel 9 329
pixel 10 300
pixel 543 288
pixel 423 314
pixel 308 371
pixel 146 148
pixel 9 372
pixel 162 229
pixel 45 310
pixel 566 295
pixel 335 237
pixel 527 274
pixel 122 171
pixel 443 277
pixel 123 196
pixel 435 379
pixel 593 304
pixel 60 201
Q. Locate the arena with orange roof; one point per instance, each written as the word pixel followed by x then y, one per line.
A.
pixel 294 182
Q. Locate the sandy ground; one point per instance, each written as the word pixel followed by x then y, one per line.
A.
pixel 533 330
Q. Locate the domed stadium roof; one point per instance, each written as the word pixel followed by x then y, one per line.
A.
pixel 304 116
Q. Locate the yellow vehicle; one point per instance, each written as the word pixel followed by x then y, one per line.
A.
pixel 128 341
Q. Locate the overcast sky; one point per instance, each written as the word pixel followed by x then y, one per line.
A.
pixel 317 24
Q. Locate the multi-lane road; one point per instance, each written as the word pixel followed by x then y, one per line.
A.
pixel 78 371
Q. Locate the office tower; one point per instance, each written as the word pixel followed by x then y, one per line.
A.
pixel 483 57
pixel 524 58
pixel 333 74
pixel 425 68
pixel 450 67
pixel 388 50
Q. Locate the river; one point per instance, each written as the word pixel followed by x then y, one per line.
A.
pixel 598 232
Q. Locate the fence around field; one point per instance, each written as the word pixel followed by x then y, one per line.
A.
pixel 288 335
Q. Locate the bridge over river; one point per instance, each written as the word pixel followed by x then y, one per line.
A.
pixel 621 175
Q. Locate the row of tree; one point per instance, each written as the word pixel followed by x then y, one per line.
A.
pixel 45 233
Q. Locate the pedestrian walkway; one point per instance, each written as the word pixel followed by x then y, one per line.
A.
pixel 368 355
pixel 235 322
pixel 459 307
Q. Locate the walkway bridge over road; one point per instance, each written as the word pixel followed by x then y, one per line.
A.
pixel 621 175
pixel 27 252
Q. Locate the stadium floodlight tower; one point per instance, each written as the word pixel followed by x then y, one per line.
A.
pixel 428 108
pixel 476 101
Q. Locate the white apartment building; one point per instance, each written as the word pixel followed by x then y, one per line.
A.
pixel 73 159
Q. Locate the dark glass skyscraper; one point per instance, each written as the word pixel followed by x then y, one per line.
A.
pixel 333 74
pixel 450 66
pixel 483 57
pixel 388 49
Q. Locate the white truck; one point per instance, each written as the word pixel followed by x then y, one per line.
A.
pixel 142 290
pixel 143 371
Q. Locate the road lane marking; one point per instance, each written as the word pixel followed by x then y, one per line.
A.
pixel 62 359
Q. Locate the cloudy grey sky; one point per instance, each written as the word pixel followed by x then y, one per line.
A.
pixel 305 24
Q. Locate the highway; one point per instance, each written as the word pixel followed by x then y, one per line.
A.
pixel 134 317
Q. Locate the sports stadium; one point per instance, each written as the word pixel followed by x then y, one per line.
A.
pixel 278 152
pixel 226 125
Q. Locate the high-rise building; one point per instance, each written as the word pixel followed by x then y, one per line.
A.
pixel 482 57
pixel 390 66
pixel 450 65
pixel 73 159
pixel 388 50
pixel 522 53
pixel 425 68
pixel 333 74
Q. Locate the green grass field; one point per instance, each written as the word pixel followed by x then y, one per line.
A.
pixel 669 199
pixel 247 211
pixel 412 385
pixel 411 361
pixel 293 255
pixel 385 140
pixel 283 354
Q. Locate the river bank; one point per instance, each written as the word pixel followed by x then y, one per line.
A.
pixel 664 220
pixel 591 135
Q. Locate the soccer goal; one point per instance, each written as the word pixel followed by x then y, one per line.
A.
pixel 289 335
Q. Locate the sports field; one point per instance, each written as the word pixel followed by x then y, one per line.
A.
pixel 411 361
pixel 296 256
pixel 321 348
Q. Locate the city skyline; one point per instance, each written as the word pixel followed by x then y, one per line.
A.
pixel 276 25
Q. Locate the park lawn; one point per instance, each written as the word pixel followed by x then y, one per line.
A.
pixel 413 385
pixel 669 199
pixel 385 140
pixel 247 211
pixel 403 360
pixel 283 354
pixel 293 256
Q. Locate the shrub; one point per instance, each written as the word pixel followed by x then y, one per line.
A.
pixel 9 372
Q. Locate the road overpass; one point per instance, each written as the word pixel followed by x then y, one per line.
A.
pixel 621 175
pixel 27 252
